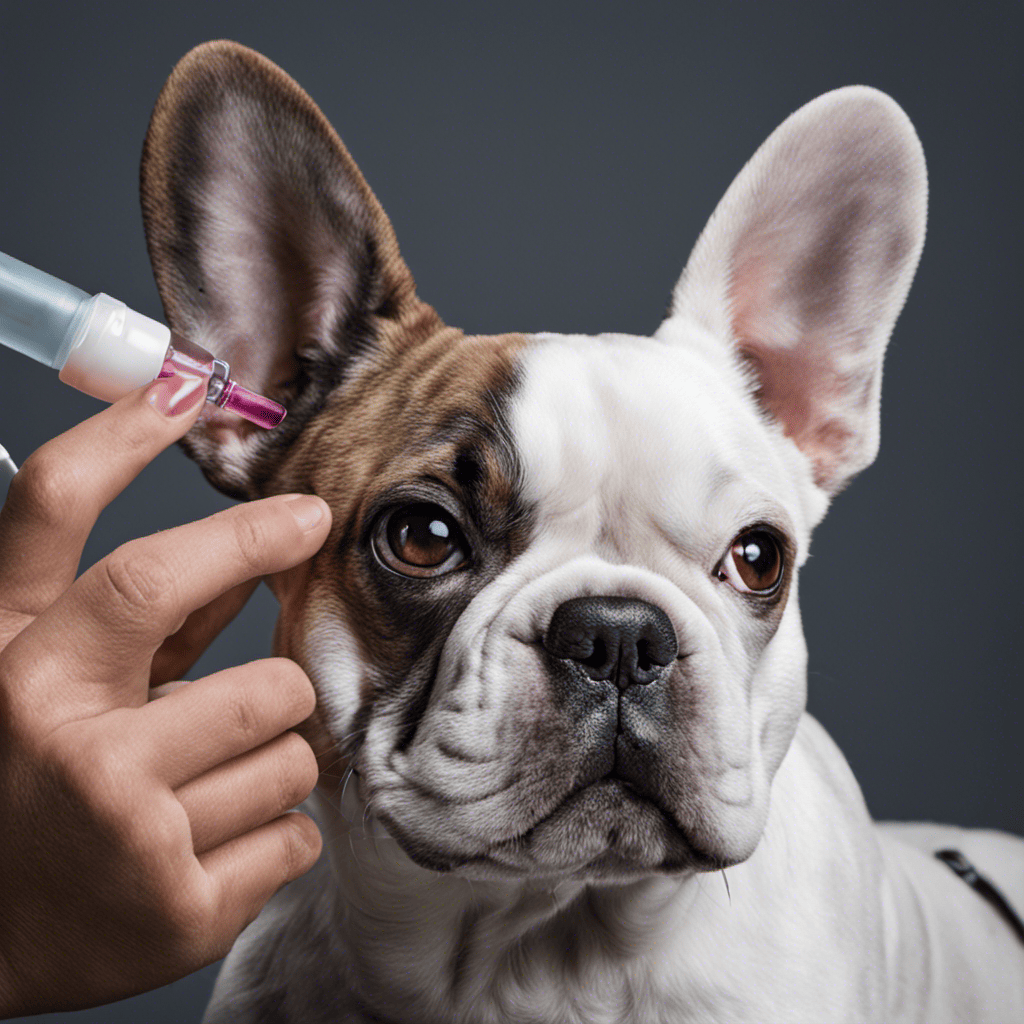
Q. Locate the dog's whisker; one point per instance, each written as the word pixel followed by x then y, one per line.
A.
pixel 727 890
pixel 348 775
pixel 337 745
pixel 373 833
pixel 328 747
pixel 331 764
pixel 355 732
pixel 476 899
pixel 332 795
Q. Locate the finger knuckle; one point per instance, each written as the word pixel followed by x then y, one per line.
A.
pixel 157 837
pixel 252 540
pixel 87 755
pixel 140 825
pixel 138 585
pixel 45 487
pixel 159 831
pixel 244 717
pixel 96 769
pixel 27 669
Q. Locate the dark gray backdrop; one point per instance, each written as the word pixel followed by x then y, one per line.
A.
pixel 548 167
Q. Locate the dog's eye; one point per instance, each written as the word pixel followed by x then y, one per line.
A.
pixel 420 540
pixel 753 563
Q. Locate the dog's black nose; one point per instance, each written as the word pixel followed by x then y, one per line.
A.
pixel 615 638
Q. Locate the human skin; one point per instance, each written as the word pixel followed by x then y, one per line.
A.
pixel 143 822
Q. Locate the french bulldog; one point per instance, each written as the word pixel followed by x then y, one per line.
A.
pixel 568 775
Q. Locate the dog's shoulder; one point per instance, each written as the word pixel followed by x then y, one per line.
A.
pixel 960 957
pixel 287 965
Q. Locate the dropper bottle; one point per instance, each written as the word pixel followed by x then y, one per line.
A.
pixel 107 350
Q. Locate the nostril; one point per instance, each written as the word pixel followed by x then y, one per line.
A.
pixel 643 657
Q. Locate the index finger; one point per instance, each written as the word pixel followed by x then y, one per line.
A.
pixel 60 490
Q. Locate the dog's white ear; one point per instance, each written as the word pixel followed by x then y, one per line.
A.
pixel 805 265
pixel 269 248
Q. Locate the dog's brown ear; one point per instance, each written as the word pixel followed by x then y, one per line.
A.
pixel 269 248
pixel 804 266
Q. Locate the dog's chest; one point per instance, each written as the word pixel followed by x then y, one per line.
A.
pixel 309 959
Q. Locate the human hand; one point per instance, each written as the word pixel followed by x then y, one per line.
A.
pixel 138 837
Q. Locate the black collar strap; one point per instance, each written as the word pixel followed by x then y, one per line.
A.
pixel 966 870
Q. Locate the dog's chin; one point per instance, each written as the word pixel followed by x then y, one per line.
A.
pixel 605 832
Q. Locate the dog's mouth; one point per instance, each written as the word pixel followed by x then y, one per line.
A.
pixel 605 830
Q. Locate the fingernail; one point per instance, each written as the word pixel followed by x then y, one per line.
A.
pixel 177 395
pixel 308 511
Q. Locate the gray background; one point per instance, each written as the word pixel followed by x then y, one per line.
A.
pixel 548 167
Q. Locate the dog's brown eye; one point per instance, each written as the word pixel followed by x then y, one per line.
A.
pixel 753 563
pixel 421 540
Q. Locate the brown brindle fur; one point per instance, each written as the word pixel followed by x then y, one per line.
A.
pixel 389 423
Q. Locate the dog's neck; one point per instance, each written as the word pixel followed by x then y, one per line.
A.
pixel 439 943
pixel 423 945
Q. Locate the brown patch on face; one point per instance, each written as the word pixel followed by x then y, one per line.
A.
pixel 422 410
pixel 270 248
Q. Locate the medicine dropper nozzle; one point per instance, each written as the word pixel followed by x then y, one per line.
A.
pixel 107 350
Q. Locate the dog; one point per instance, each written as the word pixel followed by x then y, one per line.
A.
pixel 568 775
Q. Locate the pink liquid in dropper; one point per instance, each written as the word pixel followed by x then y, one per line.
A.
pixel 264 412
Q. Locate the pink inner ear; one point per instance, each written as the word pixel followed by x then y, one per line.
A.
pixel 798 388
pixel 799 382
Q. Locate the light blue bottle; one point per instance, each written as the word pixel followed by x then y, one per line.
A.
pixel 38 313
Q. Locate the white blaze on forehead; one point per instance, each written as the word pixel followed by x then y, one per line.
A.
pixel 632 433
